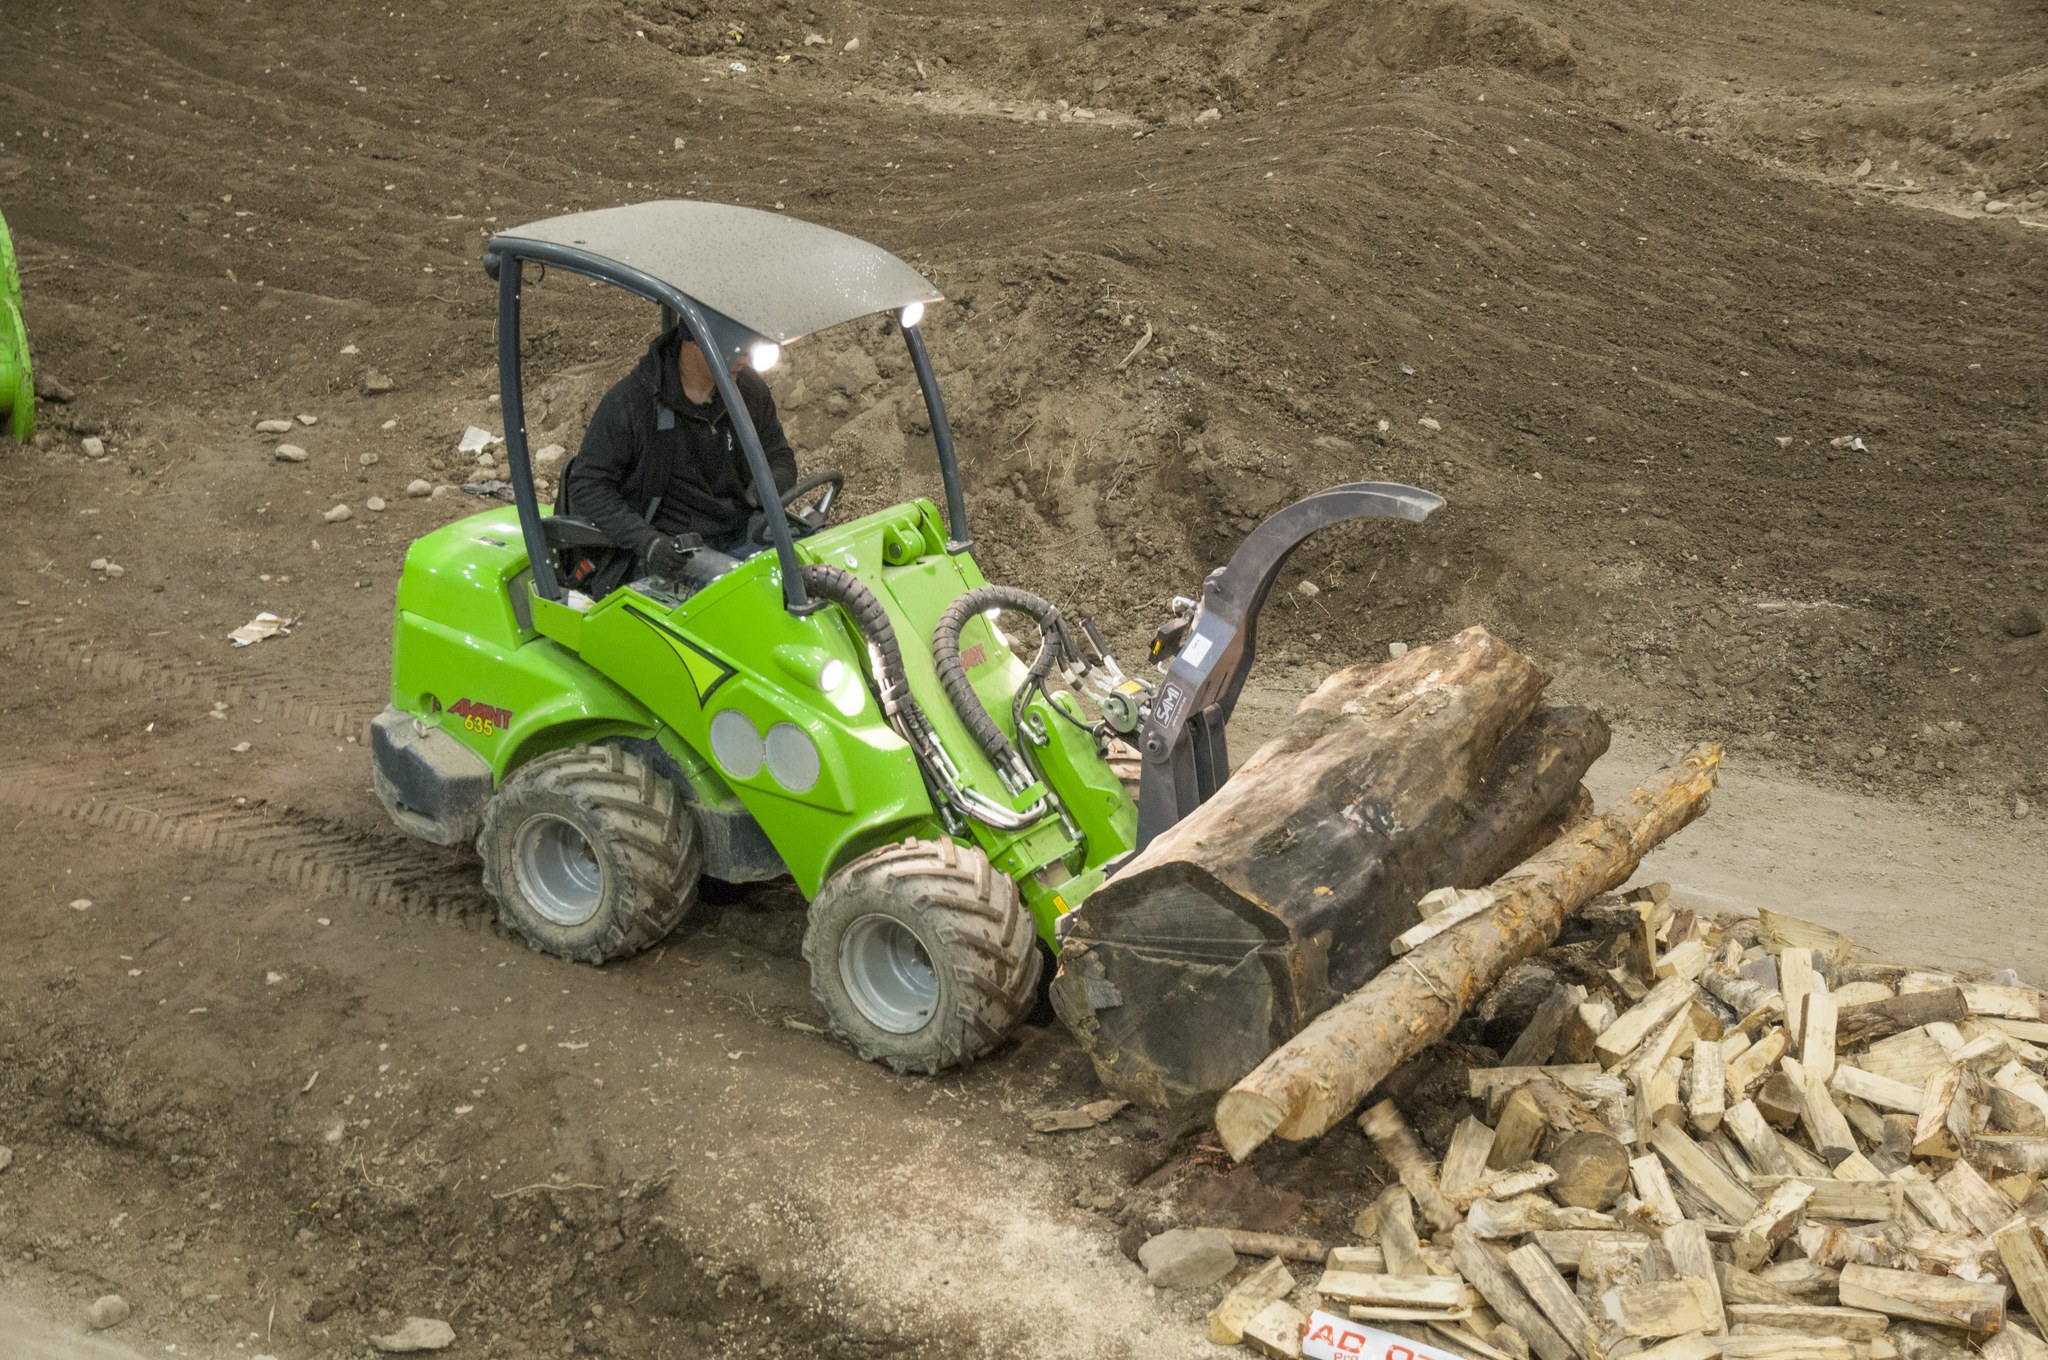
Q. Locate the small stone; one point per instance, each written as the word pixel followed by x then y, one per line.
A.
pixel 108 1310
pixel 1308 590
pixel 852 45
pixel 1187 1258
pixel 374 503
pixel 1430 423
pixel 115 571
pixel 304 419
pixel 1208 116
pixel 388 425
pixel 2020 808
pixel 1997 205
pixel 1863 168
pixel 1978 196
pixel 338 514
pixel 6 1156
pixel 375 383
pixel 49 389
pixel 549 456
pixel 1383 425
pixel 485 459
pixel 418 1334
pixel 240 748
pixel 289 453
pixel 835 404
pixel 366 460
pixel 444 491
pixel 1397 650
pixel 94 446
pixel 99 564
pixel 350 349
pixel 272 978
pixel 273 427
pixel 1784 441
pixel 810 40
pixel 419 488
pixel 81 904
pixel 2021 622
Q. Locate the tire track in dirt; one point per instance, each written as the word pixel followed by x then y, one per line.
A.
pixel 337 708
pixel 310 854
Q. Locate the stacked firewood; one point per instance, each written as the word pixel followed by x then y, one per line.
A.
pixel 1729 1138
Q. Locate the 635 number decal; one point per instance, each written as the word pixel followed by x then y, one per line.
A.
pixel 481 718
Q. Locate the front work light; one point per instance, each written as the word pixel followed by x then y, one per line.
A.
pixel 911 314
pixel 764 355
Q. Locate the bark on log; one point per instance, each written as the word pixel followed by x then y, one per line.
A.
pixel 1312 1081
pixel 1235 928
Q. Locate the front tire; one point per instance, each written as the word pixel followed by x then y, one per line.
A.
pixel 922 955
pixel 590 853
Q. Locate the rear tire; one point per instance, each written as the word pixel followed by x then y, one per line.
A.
pixel 922 955
pixel 590 853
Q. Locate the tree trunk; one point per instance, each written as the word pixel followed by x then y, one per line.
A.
pixel 1235 928
pixel 1310 1082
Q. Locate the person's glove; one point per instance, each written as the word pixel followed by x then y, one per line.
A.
pixel 667 554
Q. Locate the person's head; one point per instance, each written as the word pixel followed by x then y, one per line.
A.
pixel 696 371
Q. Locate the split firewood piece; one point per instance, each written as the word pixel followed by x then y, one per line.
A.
pixel 1781 1099
pixel 1566 1247
pixel 1857 1167
pixel 1310 1082
pixel 1477 1263
pixel 1495 1219
pixel 2014 1342
pixel 1507 1185
pixel 1757 1139
pixel 1465 1159
pixel 1743 995
pixel 1693 1258
pixel 1781 932
pixel 1247 1243
pixel 1518 1132
pixel 1397 1298
pixel 1826 1128
pixel 1639 1022
pixel 1653 1189
pixel 1660 1309
pixel 1363 1260
pixel 1804 1163
pixel 2020 1152
pixel 1538 1039
pixel 1739 1286
pixel 1929 1202
pixel 1782 1346
pixel 1693 1347
pixel 1802 1279
pixel 1851 1324
pixel 1495 1084
pixel 1586 1023
pixel 1835 1245
pixel 1944 1122
pixel 1842 1200
pixel 1797 980
pixel 1701 1174
pixel 1776 1219
pixel 2027 1031
pixel 1873 1020
pixel 1879 1091
pixel 1539 1278
pixel 1817 1037
pixel 1946 1301
pixel 1592 1170
pixel 1399 1245
pixel 1860 993
pixel 2014 1113
pixel 1612 1260
pixel 1396 1144
pixel 1275 1331
pixel 1687 959
pixel 1910 1056
pixel 1755 1063
pixel 2019 1247
pixel 2010 1003
pixel 1657 1095
pixel 1267 1284
pixel 1707 1097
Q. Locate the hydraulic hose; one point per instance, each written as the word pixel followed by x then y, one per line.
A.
pixel 1053 644
pixel 846 590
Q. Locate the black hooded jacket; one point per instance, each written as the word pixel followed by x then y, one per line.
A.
pixel 647 440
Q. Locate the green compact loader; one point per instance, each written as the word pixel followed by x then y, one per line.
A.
pixel 17 378
pixel 840 706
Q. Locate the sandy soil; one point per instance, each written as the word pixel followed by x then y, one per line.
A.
pixel 282 1077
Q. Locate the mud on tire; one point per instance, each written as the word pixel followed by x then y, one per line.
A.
pixel 922 955
pixel 590 854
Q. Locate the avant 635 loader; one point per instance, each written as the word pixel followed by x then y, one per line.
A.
pixel 839 707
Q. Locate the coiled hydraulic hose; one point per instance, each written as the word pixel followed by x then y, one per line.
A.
pixel 1054 644
pixel 899 706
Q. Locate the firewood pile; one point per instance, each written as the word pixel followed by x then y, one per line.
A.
pixel 1731 1138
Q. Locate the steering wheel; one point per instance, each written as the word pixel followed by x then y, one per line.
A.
pixel 809 521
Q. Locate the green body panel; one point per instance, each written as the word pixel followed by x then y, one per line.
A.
pixel 17 379
pixel 646 664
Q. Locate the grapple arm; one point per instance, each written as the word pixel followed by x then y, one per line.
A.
pixel 1186 757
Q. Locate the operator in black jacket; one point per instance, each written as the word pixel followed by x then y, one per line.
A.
pixel 661 462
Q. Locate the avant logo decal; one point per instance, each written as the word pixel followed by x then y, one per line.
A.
pixel 482 718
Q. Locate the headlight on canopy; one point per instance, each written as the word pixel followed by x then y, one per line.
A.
pixel 764 355
pixel 911 314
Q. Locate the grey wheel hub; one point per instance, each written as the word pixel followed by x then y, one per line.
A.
pixel 558 871
pixel 888 973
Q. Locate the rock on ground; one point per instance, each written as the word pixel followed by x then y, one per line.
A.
pixel 6 1156
pixel 289 453
pixel 418 1334
pixel 338 514
pixel 1185 1258
pixel 109 1310
pixel 419 487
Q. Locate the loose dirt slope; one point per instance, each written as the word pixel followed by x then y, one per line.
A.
pixel 1553 233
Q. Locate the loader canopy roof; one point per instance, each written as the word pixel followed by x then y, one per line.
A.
pixel 776 276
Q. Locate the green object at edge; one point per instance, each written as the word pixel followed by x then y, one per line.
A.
pixel 17 377
pixel 539 675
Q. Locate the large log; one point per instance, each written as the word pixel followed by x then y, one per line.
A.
pixel 1308 1084
pixel 1235 928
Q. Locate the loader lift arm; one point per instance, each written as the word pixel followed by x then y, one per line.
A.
pixel 1185 754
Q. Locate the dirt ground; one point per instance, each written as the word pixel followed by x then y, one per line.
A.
pixel 1736 388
